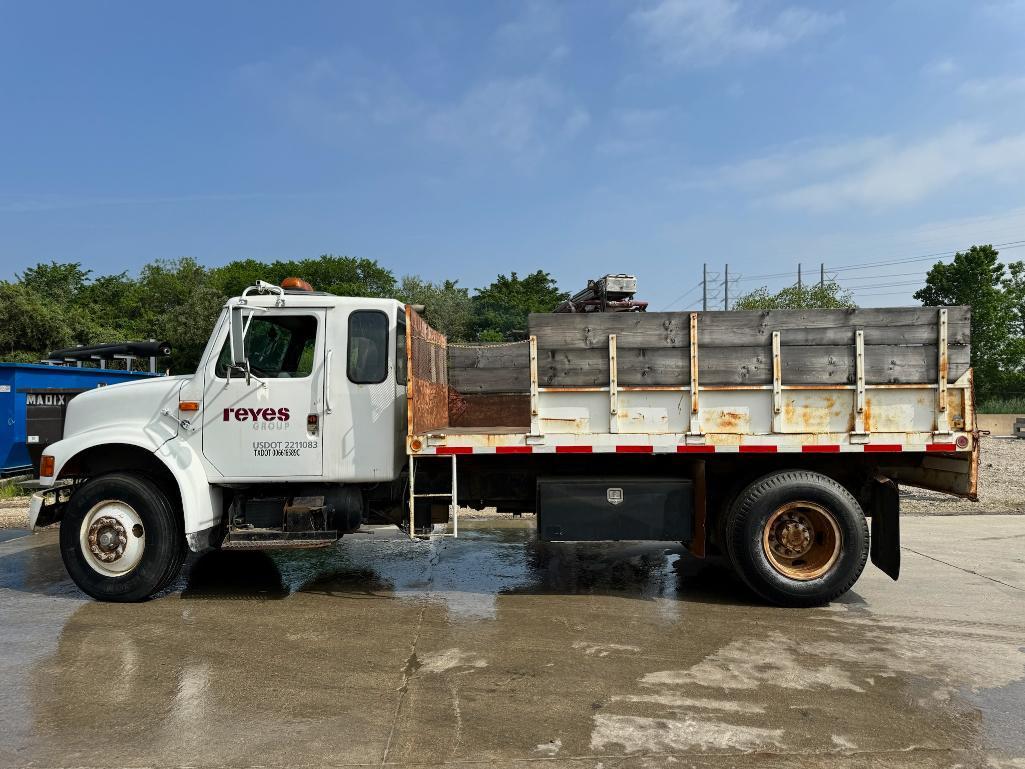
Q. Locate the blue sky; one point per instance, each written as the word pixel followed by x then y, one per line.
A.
pixel 463 139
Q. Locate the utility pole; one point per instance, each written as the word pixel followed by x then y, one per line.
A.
pixel 799 286
pixel 704 287
pixel 822 276
pixel 726 289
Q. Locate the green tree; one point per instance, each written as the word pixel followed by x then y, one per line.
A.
pixel 341 275
pixel 501 309
pixel 176 303
pixel 30 326
pixel 235 277
pixel 57 281
pixel 1014 285
pixel 828 296
pixel 447 306
pixel 976 277
pixel 107 309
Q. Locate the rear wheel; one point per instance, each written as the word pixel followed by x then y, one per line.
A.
pixel 797 538
pixel 121 539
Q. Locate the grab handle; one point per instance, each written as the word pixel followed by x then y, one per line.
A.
pixel 327 382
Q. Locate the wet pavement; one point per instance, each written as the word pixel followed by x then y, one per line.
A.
pixel 492 649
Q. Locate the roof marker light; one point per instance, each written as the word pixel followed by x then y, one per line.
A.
pixel 298 284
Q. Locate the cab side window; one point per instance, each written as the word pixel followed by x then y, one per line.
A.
pixel 400 350
pixel 277 347
pixel 368 351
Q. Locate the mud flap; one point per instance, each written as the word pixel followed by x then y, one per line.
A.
pixel 886 526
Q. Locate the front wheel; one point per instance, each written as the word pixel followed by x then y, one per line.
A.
pixel 797 538
pixel 121 539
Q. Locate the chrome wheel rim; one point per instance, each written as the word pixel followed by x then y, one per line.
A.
pixel 112 538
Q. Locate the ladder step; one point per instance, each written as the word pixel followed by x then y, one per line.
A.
pixel 440 494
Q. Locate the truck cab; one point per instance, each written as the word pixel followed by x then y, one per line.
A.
pixel 292 424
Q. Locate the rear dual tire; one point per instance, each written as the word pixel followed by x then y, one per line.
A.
pixel 121 538
pixel 797 538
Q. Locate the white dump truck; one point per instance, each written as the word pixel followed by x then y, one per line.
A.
pixel 769 438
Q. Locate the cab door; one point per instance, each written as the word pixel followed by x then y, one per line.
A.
pixel 270 426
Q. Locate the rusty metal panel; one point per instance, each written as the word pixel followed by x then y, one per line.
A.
pixel 499 409
pixel 427 377
pixel 817 411
pixel 579 413
pixel 907 410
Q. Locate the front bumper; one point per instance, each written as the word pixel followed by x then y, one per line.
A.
pixel 47 507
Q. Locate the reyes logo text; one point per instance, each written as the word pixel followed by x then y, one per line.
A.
pixel 256 415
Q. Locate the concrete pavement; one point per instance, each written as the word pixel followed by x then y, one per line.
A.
pixel 493 650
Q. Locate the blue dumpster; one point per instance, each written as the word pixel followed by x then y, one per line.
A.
pixel 48 386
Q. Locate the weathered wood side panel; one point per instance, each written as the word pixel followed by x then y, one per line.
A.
pixel 493 380
pixel 482 370
pixel 802 365
pixel 899 325
pixel 562 331
pixel 817 346
pixel 882 326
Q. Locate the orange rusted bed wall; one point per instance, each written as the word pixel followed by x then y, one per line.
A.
pixel 427 378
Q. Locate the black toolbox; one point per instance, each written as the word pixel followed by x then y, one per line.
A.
pixel 589 509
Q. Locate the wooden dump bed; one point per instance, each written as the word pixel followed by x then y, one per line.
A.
pixel 801 380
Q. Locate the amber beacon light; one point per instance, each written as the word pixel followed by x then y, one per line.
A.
pixel 297 284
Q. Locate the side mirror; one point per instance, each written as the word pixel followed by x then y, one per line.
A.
pixel 237 337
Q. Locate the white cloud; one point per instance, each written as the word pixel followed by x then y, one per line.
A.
pixel 900 174
pixel 993 87
pixel 702 32
pixel 941 68
pixel 520 116
pixel 340 94
pixel 633 130
pixel 343 98
pixel 791 164
pixel 537 33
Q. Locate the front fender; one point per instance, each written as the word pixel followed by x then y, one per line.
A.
pixel 201 502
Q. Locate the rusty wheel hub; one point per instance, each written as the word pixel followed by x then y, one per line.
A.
pixel 801 540
pixel 112 538
pixel 107 539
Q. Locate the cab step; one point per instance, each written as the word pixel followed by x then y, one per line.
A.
pixel 268 539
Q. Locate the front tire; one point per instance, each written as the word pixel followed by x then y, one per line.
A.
pixel 797 538
pixel 121 538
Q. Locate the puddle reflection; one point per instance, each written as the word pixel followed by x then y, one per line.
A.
pixel 626 649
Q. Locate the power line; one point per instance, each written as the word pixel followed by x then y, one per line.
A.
pixel 922 258
pixel 686 293
pixel 885 263
pixel 884 285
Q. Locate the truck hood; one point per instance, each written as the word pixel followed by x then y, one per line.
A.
pixel 134 405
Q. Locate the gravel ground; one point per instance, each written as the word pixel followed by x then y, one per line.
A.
pixel 1001 484
pixel 1001 490
pixel 14 513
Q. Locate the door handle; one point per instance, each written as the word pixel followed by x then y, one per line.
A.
pixel 327 381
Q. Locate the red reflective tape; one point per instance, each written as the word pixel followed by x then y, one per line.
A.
pixel 754 448
pixel 883 447
pixel 940 447
pixel 821 448
pixel 454 450
pixel 572 449
pixel 514 450
pixel 633 449
pixel 695 449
